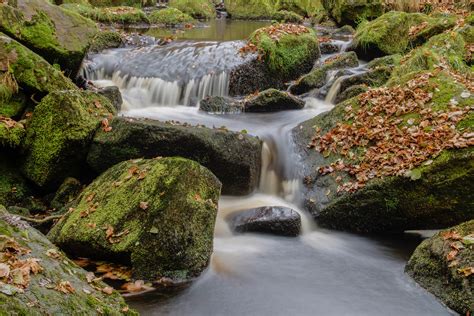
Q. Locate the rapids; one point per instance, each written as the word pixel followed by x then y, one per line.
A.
pixel 321 272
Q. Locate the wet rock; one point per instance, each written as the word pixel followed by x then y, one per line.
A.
pixel 66 193
pixel 113 94
pixel 234 158
pixel 351 12
pixel 31 72
pixel 58 35
pixel 390 33
pixel 50 273
pixel 156 214
pixel 275 220
pixel 351 92
pixel 59 134
pixel 443 265
pixel 218 105
pixel 273 100
pixel 344 31
pixel 329 48
pixel 282 59
pixel 317 77
pixel 371 78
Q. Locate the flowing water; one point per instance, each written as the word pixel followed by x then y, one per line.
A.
pixel 321 272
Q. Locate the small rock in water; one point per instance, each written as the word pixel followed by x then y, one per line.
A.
pixel 277 220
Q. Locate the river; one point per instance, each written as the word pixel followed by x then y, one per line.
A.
pixel 321 272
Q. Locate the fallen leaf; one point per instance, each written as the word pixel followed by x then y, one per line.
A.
pixel 64 287
pixel 144 205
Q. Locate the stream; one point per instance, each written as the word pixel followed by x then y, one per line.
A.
pixel 321 272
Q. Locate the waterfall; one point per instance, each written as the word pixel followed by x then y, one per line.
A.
pixel 151 91
pixel 336 86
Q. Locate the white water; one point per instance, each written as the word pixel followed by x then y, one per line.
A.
pixel 319 273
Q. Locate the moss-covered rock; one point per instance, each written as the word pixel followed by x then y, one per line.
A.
pixel 11 133
pixel 158 215
pixel 286 51
pixel 397 32
pixel 250 9
pixel 59 134
pixel 29 70
pixel 317 77
pixel 119 15
pixel 444 265
pixel 198 9
pixel 234 158
pixel 58 35
pixel 105 40
pixel 436 192
pixel 353 11
pixel 42 294
pixel 350 92
pixel 285 16
pixel 305 8
pixel 272 100
pixel 13 187
pixel 67 192
pixel 220 105
pixel 11 105
pixel 170 16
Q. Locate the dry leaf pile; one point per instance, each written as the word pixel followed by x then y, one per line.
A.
pixel 392 132
pixel 14 269
pixel 457 244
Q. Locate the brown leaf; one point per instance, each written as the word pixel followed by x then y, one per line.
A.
pixel 144 205
pixel 109 232
pixel 466 271
pixel 108 290
pixel 451 255
pixel 64 287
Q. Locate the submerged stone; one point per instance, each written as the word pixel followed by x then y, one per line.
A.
pixel 275 220
pixel 444 265
pixel 156 214
pixel 235 158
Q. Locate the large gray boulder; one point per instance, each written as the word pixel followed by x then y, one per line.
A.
pixel 234 158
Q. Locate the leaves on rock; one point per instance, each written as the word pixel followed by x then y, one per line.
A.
pixel 65 287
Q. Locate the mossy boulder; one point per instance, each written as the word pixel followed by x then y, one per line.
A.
pixel 158 215
pixel 11 105
pixel 272 100
pixel 353 11
pixel 433 192
pixel 397 33
pixel 285 51
pixel 220 105
pixel 285 16
pixel 14 189
pixel 235 158
pixel 11 133
pixel 67 192
pixel 444 265
pixel 317 77
pixel 250 9
pixel 57 287
pixel 169 16
pixel 305 8
pixel 59 133
pixel 30 71
pixel 122 15
pixel 105 40
pixel 198 9
pixel 58 35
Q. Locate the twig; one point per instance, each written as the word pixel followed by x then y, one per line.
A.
pixel 40 221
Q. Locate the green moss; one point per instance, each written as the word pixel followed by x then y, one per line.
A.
pixel 352 12
pixel 287 17
pixel 13 188
pixel 198 9
pixel 286 55
pixel 429 267
pixel 30 70
pixel 305 8
pixel 390 33
pixel 11 137
pixel 122 15
pixel 174 232
pixel 170 16
pixel 250 9
pixel 58 35
pixel 59 133
pixel 105 40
